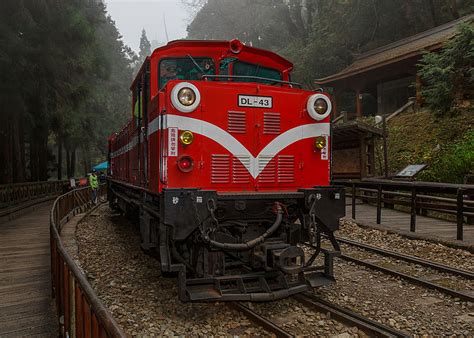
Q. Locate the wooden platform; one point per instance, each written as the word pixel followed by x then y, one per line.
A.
pixel 400 221
pixel 26 306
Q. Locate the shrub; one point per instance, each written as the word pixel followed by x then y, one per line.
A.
pixel 448 75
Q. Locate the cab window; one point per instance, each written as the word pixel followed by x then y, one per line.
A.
pixel 184 69
pixel 233 66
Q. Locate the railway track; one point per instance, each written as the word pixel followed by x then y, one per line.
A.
pixel 349 317
pixel 340 314
pixel 412 260
pixel 261 321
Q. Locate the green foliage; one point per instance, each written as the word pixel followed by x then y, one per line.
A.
pixel 448 75
pixel 445 144
pixel 64 71
pixel 145 47
pixel 456 162
pixel 320 37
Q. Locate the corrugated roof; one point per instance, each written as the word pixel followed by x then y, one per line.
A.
pixel 400 50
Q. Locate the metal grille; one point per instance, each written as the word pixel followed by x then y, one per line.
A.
pixel 237 122
pixel 240 173
pixel 220 169
pixel 271 123
pixel 268 173
pixel 286 169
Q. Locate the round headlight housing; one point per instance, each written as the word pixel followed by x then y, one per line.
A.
pixel 186 137
pixel 185 97
pixel 319 106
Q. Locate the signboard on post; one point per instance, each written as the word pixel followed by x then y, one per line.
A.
pixel 411 170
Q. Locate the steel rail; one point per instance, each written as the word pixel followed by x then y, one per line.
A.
pixel 416 280
pixel 260 320
pixel 412 259
pixel 349 317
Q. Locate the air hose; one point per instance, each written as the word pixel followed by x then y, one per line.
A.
pixel 254 242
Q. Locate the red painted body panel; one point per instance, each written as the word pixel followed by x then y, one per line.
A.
pixel 296 166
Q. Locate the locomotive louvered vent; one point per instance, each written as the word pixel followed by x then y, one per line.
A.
pixel 237 122
pixel 271 123
pixel 240 174
pixel 267 171
pixel 220 169
pixel 286 169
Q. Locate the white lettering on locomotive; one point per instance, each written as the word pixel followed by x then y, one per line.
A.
pixel 173 142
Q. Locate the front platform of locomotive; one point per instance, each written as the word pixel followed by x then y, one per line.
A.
pixel 244 174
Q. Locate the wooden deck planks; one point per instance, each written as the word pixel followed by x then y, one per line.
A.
pixel 26 306
pixel 398 220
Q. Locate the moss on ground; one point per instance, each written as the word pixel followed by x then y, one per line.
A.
pixel 445 144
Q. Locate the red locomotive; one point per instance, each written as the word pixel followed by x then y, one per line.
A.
pixel 226 164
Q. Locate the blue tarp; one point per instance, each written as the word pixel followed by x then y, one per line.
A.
pixel 101 166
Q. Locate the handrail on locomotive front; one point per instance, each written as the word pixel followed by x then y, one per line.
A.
pixel 80 310
pixel 250 77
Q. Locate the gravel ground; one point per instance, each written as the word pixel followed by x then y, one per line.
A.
pixel 144 303
pixel 404 306
pixel 445 279
pixel 129 283
pixel 432 251
pixel 303 321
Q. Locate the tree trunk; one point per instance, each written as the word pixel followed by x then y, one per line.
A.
pixel 433 12
pixel 59 141
pixel 454 8
pixel 17 160
pixel 73 162
pixel 68 163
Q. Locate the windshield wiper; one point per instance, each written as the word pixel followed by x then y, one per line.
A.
pixel 196 64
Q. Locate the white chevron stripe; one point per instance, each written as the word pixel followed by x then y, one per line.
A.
pixel 232 145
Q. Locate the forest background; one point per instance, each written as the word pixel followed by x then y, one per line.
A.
pixel 65 72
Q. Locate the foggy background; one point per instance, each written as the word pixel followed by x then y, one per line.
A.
pixel 131 16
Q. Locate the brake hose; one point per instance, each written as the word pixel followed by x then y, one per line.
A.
pixel 254 242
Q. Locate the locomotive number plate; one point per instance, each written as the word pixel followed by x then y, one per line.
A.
pixel 255 101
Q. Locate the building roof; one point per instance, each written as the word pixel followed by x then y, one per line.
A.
pixel 403 49
pixel 353 130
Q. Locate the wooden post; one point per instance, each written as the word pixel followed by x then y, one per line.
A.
pixel 379 204
pixel 459 215
pixel 413 210
pixel 419 97
pixel 385 150
pixel 353 201
pixel 358 94
pixel 334 112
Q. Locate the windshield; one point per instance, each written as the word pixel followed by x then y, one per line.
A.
pixel 233 66
pixel 188 68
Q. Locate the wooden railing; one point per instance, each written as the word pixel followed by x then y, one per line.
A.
pixel 453 200
pixel 80 311
pixel 12 194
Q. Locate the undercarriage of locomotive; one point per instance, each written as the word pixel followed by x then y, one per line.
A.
pixel 240 247
pixel 248 247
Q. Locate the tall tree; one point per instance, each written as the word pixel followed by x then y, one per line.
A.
pixel 145 47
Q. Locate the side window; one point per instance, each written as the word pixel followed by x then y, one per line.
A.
pixel 188 68
pixel 138 104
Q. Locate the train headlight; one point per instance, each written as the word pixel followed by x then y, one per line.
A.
pixel 186 137
pixel 185 97
pixel 320 142
pixel 319 106
pixel 185 164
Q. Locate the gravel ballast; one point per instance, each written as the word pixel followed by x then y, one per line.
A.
pixel 144 303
